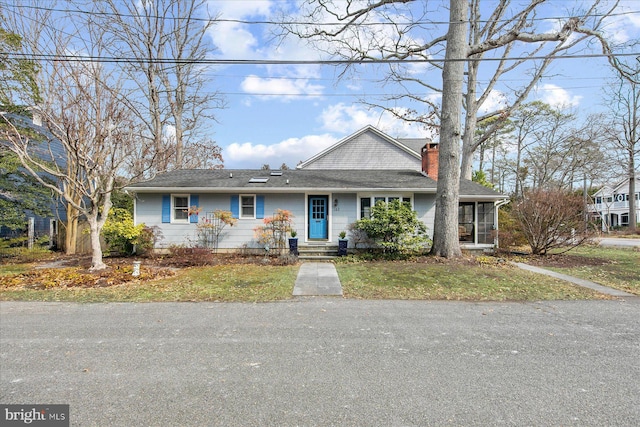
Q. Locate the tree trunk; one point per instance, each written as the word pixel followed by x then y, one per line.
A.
pixel 71 235
pixel 632 196
pixel 469 145
pixel 96 248
pixel 445 232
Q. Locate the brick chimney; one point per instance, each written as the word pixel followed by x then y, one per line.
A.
pixel 430 160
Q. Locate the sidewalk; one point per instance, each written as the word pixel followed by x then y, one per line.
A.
pixel 576 281
pixel 317 279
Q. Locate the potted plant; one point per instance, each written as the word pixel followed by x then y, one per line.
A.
pixel 342 243
pixel 293 243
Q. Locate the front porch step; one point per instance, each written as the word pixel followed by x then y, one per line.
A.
pixel 317 253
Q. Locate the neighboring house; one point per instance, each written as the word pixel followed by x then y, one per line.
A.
pixel 611 204
pixel 326 193
pixel 49 149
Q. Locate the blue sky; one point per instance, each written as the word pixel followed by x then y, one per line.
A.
pixel 286 113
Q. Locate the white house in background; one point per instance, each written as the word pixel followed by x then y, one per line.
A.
pixel 611 204
pixel 326 193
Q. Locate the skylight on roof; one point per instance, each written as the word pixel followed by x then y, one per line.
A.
pixel 258 180
pixel 276 173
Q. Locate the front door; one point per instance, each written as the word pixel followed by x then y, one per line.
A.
pixel 318 207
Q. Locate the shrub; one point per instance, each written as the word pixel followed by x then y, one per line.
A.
pixel 510 234
pixel 211 227
pixel 273 233
pixel 551 219
pixel 119 233
pixel 147 239
pixel 394 227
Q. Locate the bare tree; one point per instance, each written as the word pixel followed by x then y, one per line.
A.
pixel 408 35
pixel 624 132
pixel 167 41
pixel 83 109
pixel 41 37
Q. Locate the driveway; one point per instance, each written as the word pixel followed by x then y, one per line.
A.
pixel 327 361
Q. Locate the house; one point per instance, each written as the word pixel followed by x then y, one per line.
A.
pixel 326 193
pixel 611 204
pixel 49 149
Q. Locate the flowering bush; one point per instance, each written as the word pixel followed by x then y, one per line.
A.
pixel 210 227
pixel 273 233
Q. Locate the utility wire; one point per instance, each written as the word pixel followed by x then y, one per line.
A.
pixel 269 22
pixel 221 61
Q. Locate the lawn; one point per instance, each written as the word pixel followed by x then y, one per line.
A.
pixel 453 281
pixel 614 267
pixel 235 282
pixel 471 279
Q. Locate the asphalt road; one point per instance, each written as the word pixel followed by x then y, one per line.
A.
pixel 327 361
pixel 617 242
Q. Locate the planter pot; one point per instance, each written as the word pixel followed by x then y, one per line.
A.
pixel 342 247
pixel 293 246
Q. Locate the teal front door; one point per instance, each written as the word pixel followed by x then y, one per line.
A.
pixel 318 208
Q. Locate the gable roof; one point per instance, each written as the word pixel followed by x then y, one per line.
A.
pixel 409 152
pixel 300 180
pixel 618 186
pixel 415 144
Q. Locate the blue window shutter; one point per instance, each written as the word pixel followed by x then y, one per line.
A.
pixel 195 200
pixel 166 208
pixel 235 206
pixel 259 207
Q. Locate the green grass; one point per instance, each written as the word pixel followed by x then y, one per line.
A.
pixel 240 282
pixel 10 269
pixel 484 280
pixel 451 281
pixel 620 268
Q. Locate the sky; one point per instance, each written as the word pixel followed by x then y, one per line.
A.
pixel 286 113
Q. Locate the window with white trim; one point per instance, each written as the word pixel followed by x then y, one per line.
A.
pixel 180 208
pixel 248 206
pixel 367 202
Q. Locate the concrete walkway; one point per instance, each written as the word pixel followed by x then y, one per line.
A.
pixel 317 279
pixel 576 281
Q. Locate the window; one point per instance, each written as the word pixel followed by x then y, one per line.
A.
pixel 598 200
pixel 465 222
pixel 247 206
pixel 180 210
pixel 624 219
pixel 367 202
pixel 365 207
pixel 485 222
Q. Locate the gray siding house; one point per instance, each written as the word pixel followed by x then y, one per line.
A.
pixel 325 194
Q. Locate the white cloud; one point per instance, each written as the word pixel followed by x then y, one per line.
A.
pixel 557 96
pixel 495 101
pixel 290 151
pixel 233 40
pixel 283 88
pixel 345 119
pixel 240 9
pixel 622 27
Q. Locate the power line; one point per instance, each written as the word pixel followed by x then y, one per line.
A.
pixel 221 61
pixel 304 23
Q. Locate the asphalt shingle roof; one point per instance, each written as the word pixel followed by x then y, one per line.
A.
pixel 301 179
